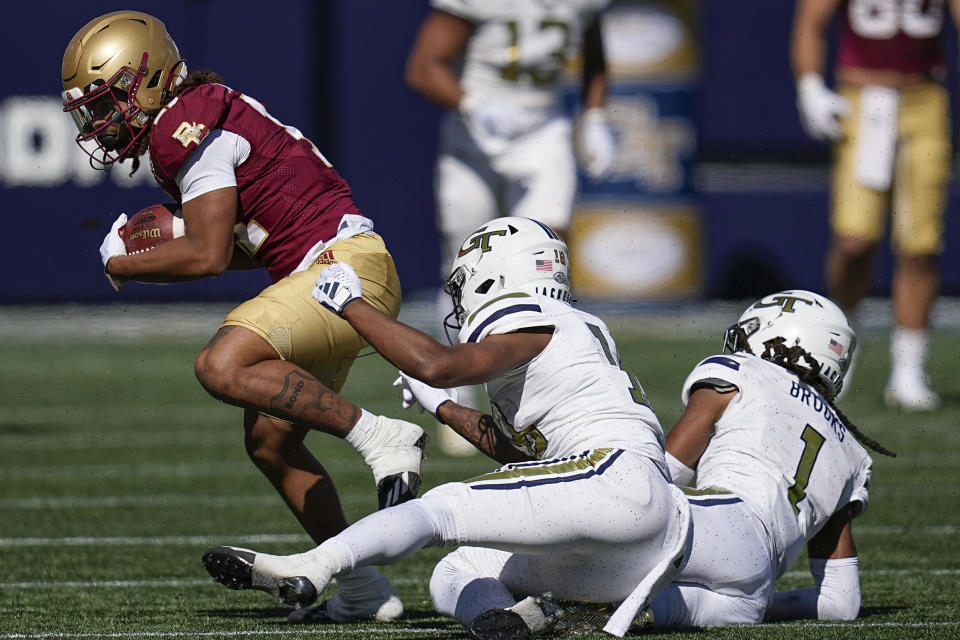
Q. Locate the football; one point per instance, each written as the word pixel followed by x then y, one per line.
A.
pixel 150 227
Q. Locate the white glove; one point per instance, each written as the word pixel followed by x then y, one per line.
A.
pixel 598 146
pixel 426 398
pixel 820 108
pixel 337 287
pixel 492 118
pixel 112 246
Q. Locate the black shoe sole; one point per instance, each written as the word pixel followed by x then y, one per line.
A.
pixel 231 568
pixel 498 624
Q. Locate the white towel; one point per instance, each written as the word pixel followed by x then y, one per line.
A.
pixel 661 575
pixel 877 137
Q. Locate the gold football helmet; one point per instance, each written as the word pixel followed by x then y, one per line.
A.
pixel 118 70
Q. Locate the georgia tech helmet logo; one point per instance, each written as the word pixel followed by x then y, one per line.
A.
pixel 787 303
pixel 480 241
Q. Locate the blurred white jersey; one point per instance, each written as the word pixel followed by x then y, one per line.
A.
pixel 781 448
pixel 518 48
pixel 574 396
pixel 514 59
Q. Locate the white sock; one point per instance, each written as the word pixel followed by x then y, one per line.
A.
pixel 320 564
pixel 908 350
pixel 383 537
pixel 360 431
pixel 332 555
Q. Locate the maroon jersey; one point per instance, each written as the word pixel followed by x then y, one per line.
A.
pixel 290 197
pixel 893 35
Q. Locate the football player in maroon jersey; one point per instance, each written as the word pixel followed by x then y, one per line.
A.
pixel 888 119
pixel 254 193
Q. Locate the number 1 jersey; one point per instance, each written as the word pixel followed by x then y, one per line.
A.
pixel 781 448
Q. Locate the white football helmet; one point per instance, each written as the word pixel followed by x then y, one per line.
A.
pixel 507 253
pixel 801 318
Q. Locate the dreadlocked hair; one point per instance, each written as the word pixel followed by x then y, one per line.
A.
pixel 203 76
pixel 194 79
pixel 777 352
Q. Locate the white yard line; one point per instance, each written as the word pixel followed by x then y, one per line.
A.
pixel 390 630
pixel 311 631
pixel 199 469
pixel 110 502
pixel 198 321
pixel 75 541
pixel 398 580
pixel 268 500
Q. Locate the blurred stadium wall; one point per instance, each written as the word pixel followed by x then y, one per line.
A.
pixel 334 69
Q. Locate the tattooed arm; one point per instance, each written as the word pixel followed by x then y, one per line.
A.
pixel 479 429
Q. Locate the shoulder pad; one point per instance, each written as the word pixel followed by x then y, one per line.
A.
pixel 506 312
pixel 183 124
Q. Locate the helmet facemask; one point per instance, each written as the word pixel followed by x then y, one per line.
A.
pixel 453 287
pixel 737 336
pixel 91 107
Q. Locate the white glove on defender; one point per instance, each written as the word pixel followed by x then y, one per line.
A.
pixel 496 119
pixel 597 145
pixel 337 287
pixel 112 246
pixel 426 398
pixel 820 108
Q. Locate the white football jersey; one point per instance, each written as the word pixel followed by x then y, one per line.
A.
pixel 518 48
pixel 781 448
pixel 572 397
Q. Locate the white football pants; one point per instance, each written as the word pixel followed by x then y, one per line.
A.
pixel 534 176
pixel 587 527
pixel 728 578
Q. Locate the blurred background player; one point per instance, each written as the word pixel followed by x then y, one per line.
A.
pixel 889 123
pixel 506 144
pixel 776 468
pixel 254 193
pixel 586 508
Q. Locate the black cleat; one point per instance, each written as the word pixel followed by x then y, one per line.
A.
pixel 498 624
pixel 230 566
pixel 298 592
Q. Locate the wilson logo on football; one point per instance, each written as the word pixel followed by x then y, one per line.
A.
pixel 144 234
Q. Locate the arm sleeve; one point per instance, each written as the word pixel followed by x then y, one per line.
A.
pixel 693 605
pixel 680 473
pixel 836 596
pixel 213 165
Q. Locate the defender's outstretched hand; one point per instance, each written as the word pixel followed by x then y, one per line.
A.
pixel 337 287
pixel 426 398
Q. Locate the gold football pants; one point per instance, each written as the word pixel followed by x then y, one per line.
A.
pixel 305 333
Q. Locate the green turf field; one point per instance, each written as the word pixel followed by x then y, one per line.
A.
pixel 117 471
